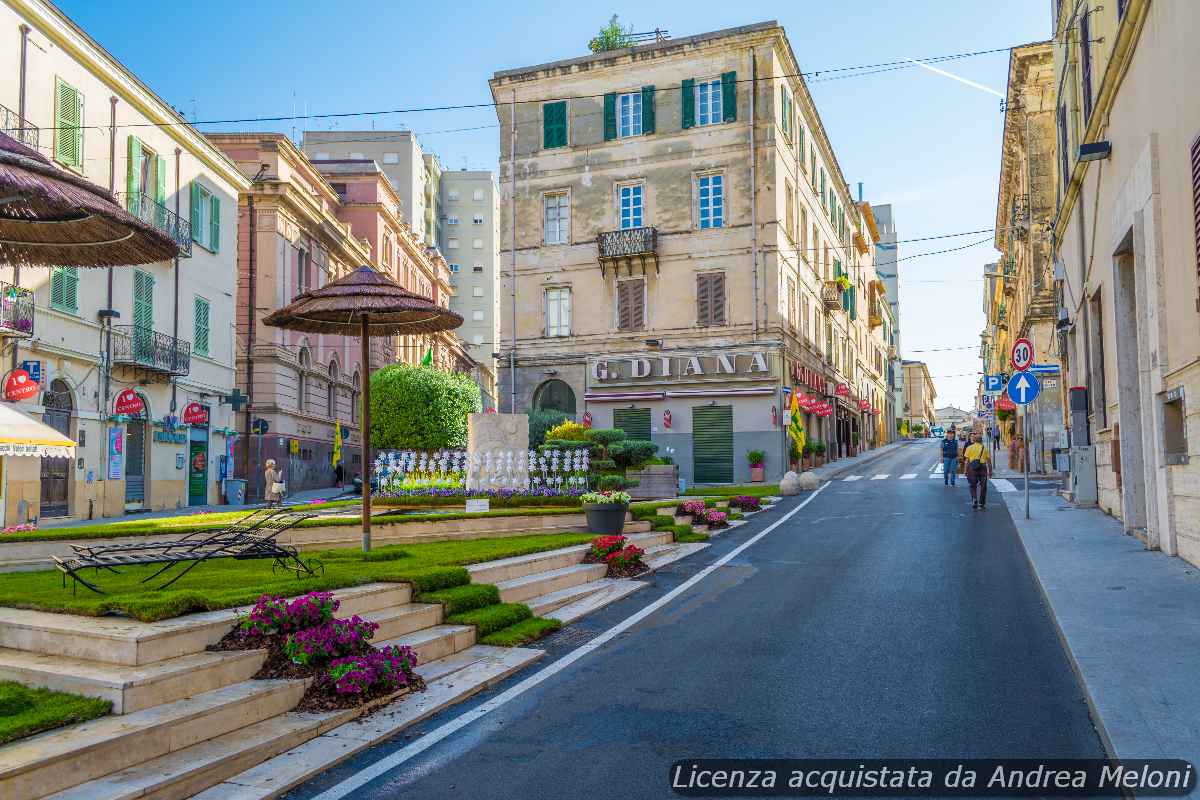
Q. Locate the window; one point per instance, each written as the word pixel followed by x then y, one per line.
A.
pixel 201 326
pixel 477 194
pixel 391 158
pixel 1085 62
pixel 708 102
pixel 143 300
pixel 555 395
pixel 302 379
pixel 1175 444
pixel 452 220
pixel 710 298
pixel 478 219
pixel 803 229
pixel 455 267
pixel 812 163
pixel 791 303
pixel 554 125
pixel 558 311
pixel 785 112
pixel 354 399
pixel 824 197
pixel 331 396
pixel 68 125
pixel 303 279
pixel 789 210
pixel 64 289
pixel 557 217
pixel 477 291
pixel 631 305
pixel 452 194
pixel 710 193
pixel 800 141
pixel 477 268
pixel 452 244
pixel 630 114
pixel 630 205
pixel 477 315
pixel 205 217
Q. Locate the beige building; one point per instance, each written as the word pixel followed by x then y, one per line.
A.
pixel 688 253
pixel 919 396
pixel 1126 245
pixel 147 400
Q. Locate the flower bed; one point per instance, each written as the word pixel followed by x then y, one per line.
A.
pixel 716 519
pixel 746 502
pixel 624 560
pixel 304 640
pixel 694 509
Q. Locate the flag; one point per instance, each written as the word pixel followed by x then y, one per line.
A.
pixel 337 443
pixel 427 361
pixel 796 425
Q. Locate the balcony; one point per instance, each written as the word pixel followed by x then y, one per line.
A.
pixel 831 295
pixel 16 312
pixel 13 125
pixel 142 348
pixel 178 229
pixel 628 247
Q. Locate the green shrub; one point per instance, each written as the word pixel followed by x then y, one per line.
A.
pixel 492 618
pixel 565 444
pixel 632 453
pixel 614 483
pixel 756 457
pixel 522 633
pixel 568 430
pixel 605 436
pixel 421 407
pixel 540 421
pixel 602 465
pixel 460 599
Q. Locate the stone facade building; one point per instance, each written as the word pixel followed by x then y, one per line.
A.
pixel 919 396
pixel 688 252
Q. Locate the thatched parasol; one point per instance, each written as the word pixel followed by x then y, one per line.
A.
pixel 364 304
pixel 51 217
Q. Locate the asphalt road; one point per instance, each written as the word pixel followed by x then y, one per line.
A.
pixel 884 620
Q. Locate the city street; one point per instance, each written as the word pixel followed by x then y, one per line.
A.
pixel 883 619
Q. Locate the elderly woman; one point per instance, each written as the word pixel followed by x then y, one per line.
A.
pixel 273 483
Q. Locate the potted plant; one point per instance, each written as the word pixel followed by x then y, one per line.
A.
pixel 605 511
pixel 818 453
pixel 807 454
pixel 758 460
pixel 794 456
pixel 853 442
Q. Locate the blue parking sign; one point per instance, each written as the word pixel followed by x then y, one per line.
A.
pixel 993 383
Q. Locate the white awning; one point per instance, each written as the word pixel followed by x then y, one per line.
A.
pixel 22 435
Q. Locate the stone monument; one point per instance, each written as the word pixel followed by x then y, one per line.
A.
pixel 497 448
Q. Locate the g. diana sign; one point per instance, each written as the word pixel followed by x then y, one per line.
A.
pixel 683 368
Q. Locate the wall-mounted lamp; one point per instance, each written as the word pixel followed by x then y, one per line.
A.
pixel 549 372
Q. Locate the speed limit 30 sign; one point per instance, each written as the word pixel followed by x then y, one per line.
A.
pixel 1022 354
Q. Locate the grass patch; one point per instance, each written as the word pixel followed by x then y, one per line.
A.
pixel 459 599
pixel 523 632
pixel 684 535
pixel 25 710
pixel 493 618
pixel 753 490
pixel 225 583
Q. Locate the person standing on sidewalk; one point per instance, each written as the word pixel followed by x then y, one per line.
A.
pixel 979 462
pixel 950 458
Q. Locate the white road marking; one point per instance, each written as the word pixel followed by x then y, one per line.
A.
pixel 880 477
pixel 1003 485
pixel 853 478
pixel 939 468
pixel 908 476
pixel 390 762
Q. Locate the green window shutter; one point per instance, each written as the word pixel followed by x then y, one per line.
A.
pixel 554 124
pixel 195 211
pixel 133 173
pixel 160 183
pixel 729 96
pixel 202 326
pixel 853 296
pixel 143 300
pixel 68 135
pixel 647 109
pixel 57 280
pixel 214 223
pixel 70 289
pixel 610 116
pixel 688 94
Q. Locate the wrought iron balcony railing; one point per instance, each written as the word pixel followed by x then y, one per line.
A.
pixel 16 312
pixel 831 295
pixel 13 125
pixel 628 246
pixel 144 207
pixel 133 346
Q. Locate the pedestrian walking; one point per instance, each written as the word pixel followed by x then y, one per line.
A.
pixel 950 458
pixel 273 481
pixel 978 468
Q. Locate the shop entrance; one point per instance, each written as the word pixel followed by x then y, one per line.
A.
pixel 197 466
pixel 56 472
pixel 135 462
pixel 712 444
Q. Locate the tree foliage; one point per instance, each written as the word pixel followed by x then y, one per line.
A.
pixel 542 420
pixel 421 407
pixel 612 37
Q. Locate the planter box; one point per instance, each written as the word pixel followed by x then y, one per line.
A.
pixel 757 474
pixel 655 481
pixel 605 519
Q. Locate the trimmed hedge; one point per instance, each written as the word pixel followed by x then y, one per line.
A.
pixel 493 618
pixel 522 633
pixel 421 407
pixel 460 599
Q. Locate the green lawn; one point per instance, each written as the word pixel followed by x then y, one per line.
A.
pixel 753 490
pixel 25 710
pixel 225 583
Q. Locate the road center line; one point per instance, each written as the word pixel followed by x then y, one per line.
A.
pixel 390 762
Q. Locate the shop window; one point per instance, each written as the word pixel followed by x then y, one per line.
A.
pixel 1175 443
pixel 555 395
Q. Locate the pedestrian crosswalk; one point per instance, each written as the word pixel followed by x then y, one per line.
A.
pixel 936 471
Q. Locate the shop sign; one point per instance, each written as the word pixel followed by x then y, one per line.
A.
pixel 170 437
pixel 195 414
pixel 34 368
pixel 129 402
pixel 19 386
pixel 116 453
pixel 680 368
pixel 842 390
pixel 808 377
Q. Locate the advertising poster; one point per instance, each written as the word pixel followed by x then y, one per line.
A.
pixel 116 453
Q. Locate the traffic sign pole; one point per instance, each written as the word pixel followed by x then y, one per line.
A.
pixel 1025 448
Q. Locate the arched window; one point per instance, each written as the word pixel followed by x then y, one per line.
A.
pixel 331 398
pixel 354 399
pixel 555 395
pixel 302 382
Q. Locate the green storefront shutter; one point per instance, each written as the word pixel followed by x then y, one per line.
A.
pixel 647 109
pixel 610 116
pixel 554 125
pixel 214 223
pixel 133 174
pixel 634 421
pixel 195 211
pixel 729 97
pixel 712 444
pixel 687 93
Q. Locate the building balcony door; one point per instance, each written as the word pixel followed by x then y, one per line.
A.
pixel 135 463
pixel 56 472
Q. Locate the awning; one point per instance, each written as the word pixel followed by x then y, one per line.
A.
pixel 22 435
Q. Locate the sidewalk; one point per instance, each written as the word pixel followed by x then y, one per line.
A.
pixel 834 469
pixel 1129 619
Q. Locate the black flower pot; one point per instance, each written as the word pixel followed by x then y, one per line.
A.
pixel 606 519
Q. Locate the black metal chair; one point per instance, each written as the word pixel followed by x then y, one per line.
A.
pixel 235 541
pixel 246 523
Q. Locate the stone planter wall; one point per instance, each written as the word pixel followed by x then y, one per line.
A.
pixel 655 481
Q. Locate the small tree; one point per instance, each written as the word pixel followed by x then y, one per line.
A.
pixel 421 407
pixel 612 37
pixel 540 421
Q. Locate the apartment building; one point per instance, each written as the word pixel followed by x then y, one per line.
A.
pixel 887 266
pixel 135 364
pixel 919 396
pixel 1125 247
pixel 688 253
pixel 300 385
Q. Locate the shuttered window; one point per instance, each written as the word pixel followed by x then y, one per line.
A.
pixel 785 112
pixel 205 217
pixel 710 298
pixel 610 116
pixel 729 96
pixel 214 233
pixel 630 111
pixel 712 444
pixel 708 102
pixel 68 125
pixel 631 305
pixel 634 421
pixel 201 338
pixel 554 125
pixel 143 300
pixel 1064 177
pixel 687 93
pixel 64 289
pixel 1196 211
pixel 1085 62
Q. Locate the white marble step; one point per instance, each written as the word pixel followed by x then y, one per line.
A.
pixel 677 552
pixel 527 587
pixel 435 642
pixel 610 591
pixel 407 618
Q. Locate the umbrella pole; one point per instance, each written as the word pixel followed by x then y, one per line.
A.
pixel 366 436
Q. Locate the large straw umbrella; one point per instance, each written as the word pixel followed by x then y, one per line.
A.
pixel 364 303
pixel 51 217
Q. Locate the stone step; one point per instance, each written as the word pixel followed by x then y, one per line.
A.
pixel 505 569
pixel 477 668
pixel 57 760
pixel 436 642
pixel 408 618
pixel 518 590
pixel 371 597
pixel 609 590
pixel 132 688
pixel 662 559
pixel 544 605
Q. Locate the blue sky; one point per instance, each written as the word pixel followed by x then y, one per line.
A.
pixel 925 143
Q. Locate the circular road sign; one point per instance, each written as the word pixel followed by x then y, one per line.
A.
pixel 1022 355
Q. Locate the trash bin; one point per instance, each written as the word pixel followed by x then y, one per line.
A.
pixel 235 491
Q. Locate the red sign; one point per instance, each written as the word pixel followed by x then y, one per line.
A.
pixel 129 402
pixel 195 414
pixel 1022 354
pixel 667 418
pixel 842 390
pixel 864 405
pixel 808 377
pixel 587 419
pixel 1005 403
pixel 19 386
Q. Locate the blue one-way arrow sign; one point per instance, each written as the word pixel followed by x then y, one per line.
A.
pixel 1023 388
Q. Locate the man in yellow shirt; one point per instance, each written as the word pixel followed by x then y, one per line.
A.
pixel 978 466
